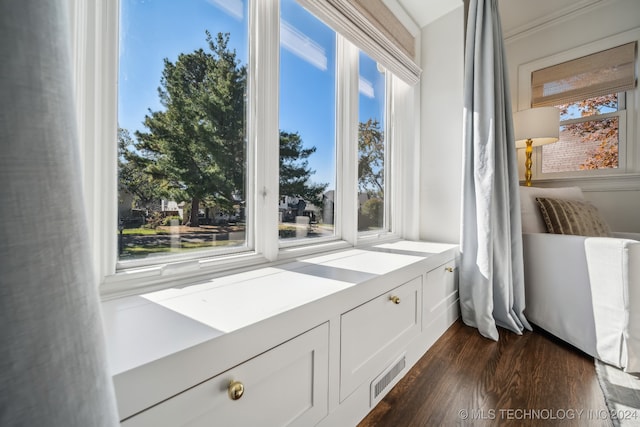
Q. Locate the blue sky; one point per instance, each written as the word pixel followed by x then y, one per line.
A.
pixel 152 30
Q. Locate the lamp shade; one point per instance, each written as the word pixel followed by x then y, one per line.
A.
pixel 541 125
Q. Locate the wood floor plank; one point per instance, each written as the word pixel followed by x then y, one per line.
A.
pixel 522 380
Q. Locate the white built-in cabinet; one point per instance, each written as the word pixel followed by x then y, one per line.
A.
pixel 371 334
pixel 334 334
pixel 285 386
pixel 440 291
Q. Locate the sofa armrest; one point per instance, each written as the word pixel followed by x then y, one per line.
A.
pixel 586 291
pixel 558 296
pixel 614 276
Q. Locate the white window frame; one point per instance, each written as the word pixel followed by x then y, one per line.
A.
pixel 629 117
pixel 621 114
pixel 95 34
pixel 387 225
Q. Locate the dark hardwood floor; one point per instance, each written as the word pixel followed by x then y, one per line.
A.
pixel 465 379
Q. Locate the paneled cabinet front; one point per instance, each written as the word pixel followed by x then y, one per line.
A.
pixel 285 386
pixel 440 291
pixel 373 334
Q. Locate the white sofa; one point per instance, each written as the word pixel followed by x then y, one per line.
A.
pixel 584 290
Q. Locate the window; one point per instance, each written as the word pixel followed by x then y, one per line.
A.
pixel 589 136
pixel 211 134
pixel 372 142
pixel 590 92
pixel 307 145
pixel 182 127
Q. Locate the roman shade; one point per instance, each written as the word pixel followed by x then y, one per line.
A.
pixel 379 15
pixel 372 27
pixel 601 73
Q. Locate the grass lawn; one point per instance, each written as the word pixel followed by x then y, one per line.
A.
pixel 139 251
pixel 142 242
pixel 143 231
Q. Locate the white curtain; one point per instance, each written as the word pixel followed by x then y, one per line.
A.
pixel 491 273
pixel 52 358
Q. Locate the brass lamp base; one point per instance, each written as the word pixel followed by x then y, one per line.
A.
pixel 528 162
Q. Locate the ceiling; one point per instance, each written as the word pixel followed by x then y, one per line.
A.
pixel 425 11
pixel 516 15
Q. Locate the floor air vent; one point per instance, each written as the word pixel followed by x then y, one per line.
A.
pixel 386 378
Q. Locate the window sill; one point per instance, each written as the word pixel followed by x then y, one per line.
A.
pixel 617 182
pixel 134 281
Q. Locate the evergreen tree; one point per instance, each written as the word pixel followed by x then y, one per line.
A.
pixel 295 171
pixel 195 146
pixel 131 174
pixel 198 141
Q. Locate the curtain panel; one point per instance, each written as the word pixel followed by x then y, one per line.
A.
pixel 492 271
pixel 53 368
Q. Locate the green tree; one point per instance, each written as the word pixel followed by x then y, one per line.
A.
pixel 197 143
pixel 132 177
pixel 295 171
pixel 371 158
pixel 372 214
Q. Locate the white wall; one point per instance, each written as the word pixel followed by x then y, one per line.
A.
pixel 617 199
pixel 442 52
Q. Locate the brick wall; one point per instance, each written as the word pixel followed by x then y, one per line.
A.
pixel 567 154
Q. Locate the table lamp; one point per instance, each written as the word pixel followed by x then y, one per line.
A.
pixel 535 127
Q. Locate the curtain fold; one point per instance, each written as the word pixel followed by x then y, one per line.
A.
pixel 53 367
pixel 491 271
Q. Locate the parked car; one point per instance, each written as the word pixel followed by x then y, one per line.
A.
pixel 221 218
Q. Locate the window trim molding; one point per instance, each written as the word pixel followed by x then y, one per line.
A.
pixel 622 151
pixel 347 130
pixel 617 182
pixel 405 190
pixel 94 38
pixel 630 150
pixel 263 119
pixel 389 155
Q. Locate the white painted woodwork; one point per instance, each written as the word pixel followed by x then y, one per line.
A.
pixel 373 334
pixel 286 386
pixel 173 352
pixel 441 106
pixel 440 291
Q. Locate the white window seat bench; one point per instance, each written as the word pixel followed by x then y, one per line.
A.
pixel 309 340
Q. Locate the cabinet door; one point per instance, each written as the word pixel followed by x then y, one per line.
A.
pixel 375 332
pixel 286 386
pixel 440 291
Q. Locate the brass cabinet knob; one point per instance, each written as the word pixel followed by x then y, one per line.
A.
pixel 236 390
pixel 449 269
pixel 395 299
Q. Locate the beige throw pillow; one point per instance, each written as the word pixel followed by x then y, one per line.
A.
pixel 572 217
pixel 532 221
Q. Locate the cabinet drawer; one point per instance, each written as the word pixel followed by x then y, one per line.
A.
pixel 375 332
pixel 440 291
pixel 286 386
